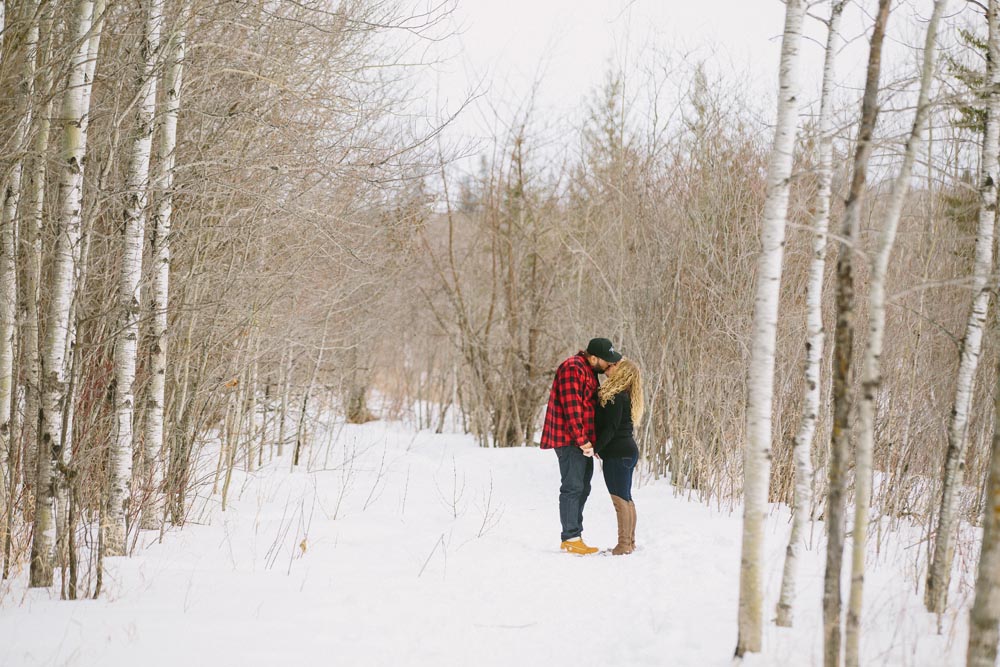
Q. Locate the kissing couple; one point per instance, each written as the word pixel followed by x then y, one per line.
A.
pixel 586 418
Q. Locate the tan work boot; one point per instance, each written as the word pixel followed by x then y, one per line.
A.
pixel 624 522
pixel 577 546
pixel 631 526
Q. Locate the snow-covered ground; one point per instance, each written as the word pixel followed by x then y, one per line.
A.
pixel 404 548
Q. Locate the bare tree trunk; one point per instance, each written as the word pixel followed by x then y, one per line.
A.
pixel 230 440
pixel 73 366
pixel 303 413
pixel 355 392
pixel 10 210
pixel 72 152
pixel 757 454
pixel 843 345
pixel 871 378
pixel 160 236
pixel 814 343
pixel 247 396
pixel 253 451
pixel 984 619
pixel 183 434
pixel 73 369
pixel 126 344
pixel 286 387
pixel 25 442
pixel 939 570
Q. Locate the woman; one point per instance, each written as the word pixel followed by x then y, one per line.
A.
pixel 619 410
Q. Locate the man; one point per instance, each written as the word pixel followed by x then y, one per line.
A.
pixel 569 429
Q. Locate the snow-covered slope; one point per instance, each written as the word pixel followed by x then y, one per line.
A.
pixel 404 548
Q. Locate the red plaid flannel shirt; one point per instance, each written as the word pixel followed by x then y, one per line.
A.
pixel 569 418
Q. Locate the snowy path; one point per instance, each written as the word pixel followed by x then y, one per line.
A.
pixel 405 582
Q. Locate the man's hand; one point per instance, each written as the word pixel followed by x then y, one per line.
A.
pixel 588 449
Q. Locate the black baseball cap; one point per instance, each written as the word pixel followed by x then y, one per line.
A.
pixel 603 349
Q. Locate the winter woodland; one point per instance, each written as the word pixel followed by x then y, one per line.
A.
pixel 275 347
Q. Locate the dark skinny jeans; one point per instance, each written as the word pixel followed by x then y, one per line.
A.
pixel 618 475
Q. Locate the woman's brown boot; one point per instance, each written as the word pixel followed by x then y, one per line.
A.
pixel 631 526
pixel 624 531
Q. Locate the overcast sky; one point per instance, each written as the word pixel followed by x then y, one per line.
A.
pixel 501 48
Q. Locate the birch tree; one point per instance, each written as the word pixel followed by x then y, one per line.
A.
pixel 289 122
pixel 985 615
pixel 871 378
pixel 939 570
pixel 843 345
pixel 159 254
pixel 126 344
pixel 79 250
pixel 757 454
pixel 8 232
pixel 31 241
pixel 72 160
pixel 984 619
pixel 814 342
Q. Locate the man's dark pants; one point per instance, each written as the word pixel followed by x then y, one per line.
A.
pixel 576 470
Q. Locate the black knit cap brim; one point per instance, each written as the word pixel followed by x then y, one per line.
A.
pixel 603 349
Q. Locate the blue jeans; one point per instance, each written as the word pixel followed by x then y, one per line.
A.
pixel 618 475
pixel 576 471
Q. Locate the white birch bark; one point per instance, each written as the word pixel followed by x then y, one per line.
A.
pixel 757 453
pixel 79 265
pixel 80 250
pixel 11 209
pixel 126 343
pixel 30 238
pixel 939 570
pixel 72 369
pixel 72 153
pixel 159 293
pixel 72 366
pixel 984 619
pixel 814 341
pixel 871 377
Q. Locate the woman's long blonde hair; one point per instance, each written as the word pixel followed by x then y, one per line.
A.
pixel 626 378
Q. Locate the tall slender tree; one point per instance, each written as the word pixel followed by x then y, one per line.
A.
pixel 11 208
pixel 843 346
pixel 126 343
pixel 24 442
pixel 943 554
pixel 984 619
pixel 73 118
pixel 871 378
pixel 757 452
pixel 814 342
pixel 159 255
